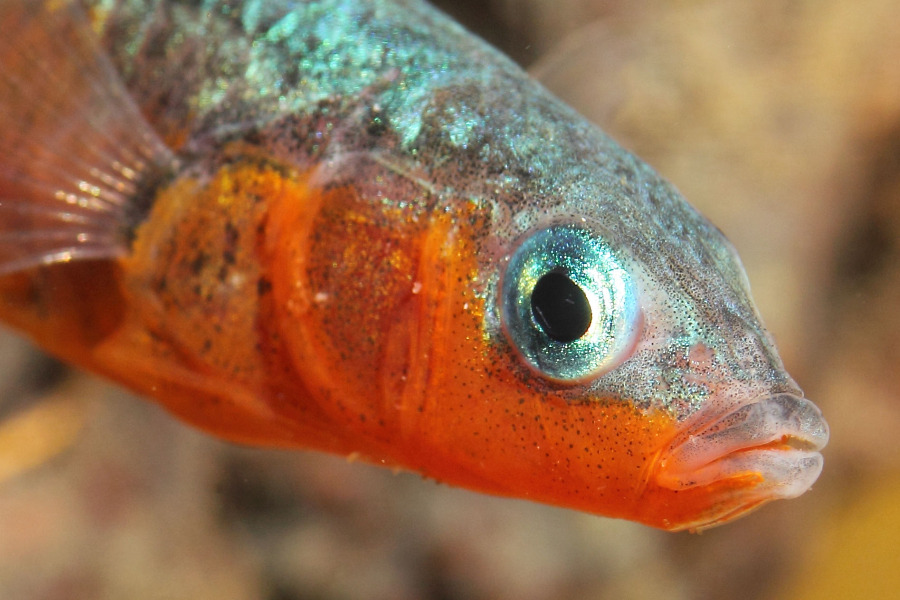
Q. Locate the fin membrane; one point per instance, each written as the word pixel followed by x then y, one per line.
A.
pixel 74 148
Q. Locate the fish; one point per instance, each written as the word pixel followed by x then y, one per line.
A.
pixel 351 226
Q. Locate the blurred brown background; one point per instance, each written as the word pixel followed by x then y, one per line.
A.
pixel 780 121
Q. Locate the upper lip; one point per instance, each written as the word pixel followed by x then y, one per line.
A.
pixel 778 436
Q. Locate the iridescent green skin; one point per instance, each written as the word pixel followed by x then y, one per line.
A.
pixel 316 81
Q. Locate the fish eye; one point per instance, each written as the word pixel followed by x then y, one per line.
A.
pixel 570 306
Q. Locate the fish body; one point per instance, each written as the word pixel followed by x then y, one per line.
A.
pixel 353 227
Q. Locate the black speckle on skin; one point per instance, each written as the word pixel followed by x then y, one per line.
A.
pixel 198 263
pixel 378 123
pixel 263 286
pixel 232 236
pixel 254 137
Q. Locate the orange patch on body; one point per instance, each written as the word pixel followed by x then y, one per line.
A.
pixel 200 287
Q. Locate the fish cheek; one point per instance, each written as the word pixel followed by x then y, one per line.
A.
pixel 472 416
pixel 490 424
pixel 345 274
pixel 500 436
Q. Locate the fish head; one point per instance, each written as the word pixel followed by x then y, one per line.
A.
pixel 539 316
pixel 653 389
pixel 692 411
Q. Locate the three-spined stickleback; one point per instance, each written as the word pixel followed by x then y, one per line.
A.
pixel 352 226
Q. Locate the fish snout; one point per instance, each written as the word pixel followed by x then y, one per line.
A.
pixel 776 438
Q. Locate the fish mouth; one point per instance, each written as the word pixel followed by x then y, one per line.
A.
pixel 773 441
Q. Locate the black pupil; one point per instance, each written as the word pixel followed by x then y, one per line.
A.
pixel 560 307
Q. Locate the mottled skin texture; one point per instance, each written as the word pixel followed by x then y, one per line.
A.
pixel 321 269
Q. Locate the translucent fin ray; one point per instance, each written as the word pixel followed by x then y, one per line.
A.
pixel 74 147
